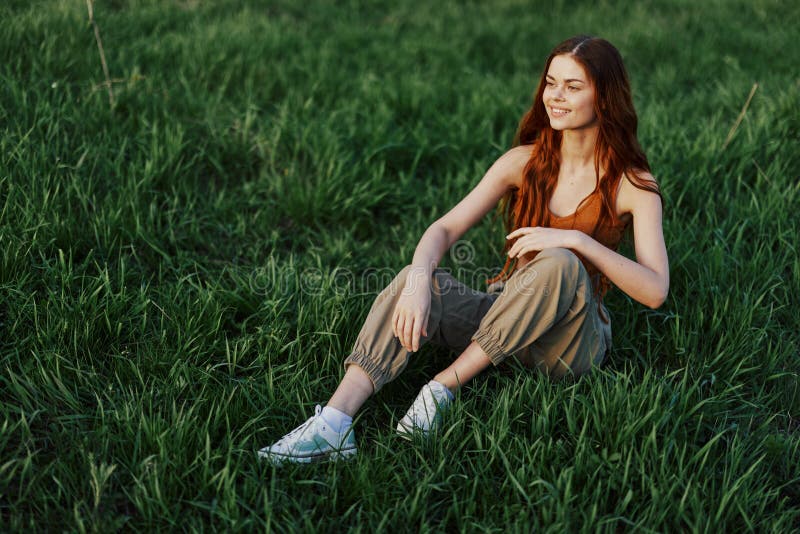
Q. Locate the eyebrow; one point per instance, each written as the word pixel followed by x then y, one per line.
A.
pixel 568 80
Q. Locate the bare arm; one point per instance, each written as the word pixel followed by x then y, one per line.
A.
pixel 440 236
pixel 646 280
pixel 410 317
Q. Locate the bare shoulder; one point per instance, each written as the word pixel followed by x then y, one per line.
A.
pixel 631 198
pixel 511 164
pixel 521 152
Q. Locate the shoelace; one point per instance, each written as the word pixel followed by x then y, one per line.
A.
pixel 302 428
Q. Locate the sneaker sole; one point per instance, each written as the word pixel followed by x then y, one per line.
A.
pixel 279 459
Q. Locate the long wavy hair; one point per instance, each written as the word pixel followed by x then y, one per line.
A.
pixel 617 150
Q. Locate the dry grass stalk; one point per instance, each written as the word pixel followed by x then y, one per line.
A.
pixel 89 7
pixel 739 119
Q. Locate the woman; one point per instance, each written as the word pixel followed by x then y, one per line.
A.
pixel 574 181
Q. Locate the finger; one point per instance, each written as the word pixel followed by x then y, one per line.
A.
pixel 415 333
pixel 407 331
pixel 519 231
pixel 394 322
pixel 398 316
pixel 400 324
pixel 425 326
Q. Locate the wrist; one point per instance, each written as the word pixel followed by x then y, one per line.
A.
pixel 419 271
pixel 577 240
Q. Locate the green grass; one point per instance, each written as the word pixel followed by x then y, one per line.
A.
pixel 182 275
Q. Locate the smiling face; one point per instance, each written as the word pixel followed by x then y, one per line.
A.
pixel 569 95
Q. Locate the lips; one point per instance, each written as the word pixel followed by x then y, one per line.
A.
pixel 558 112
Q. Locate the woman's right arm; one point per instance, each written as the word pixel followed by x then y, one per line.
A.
pixel 413 308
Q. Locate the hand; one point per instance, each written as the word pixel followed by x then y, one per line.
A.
pixel 412 311
pixel 534 239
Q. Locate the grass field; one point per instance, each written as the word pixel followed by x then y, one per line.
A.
pixel 183 274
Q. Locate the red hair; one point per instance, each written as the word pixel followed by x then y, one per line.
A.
pixel 617 150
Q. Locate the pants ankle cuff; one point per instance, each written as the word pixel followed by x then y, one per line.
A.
pixel 369 366
pixel 491 346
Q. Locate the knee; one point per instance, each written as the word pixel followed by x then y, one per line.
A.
pixel 559 255
pixel 402 274
pixel 400 280
pixel 548 265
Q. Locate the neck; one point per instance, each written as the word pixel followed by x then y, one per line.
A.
pixel 577 148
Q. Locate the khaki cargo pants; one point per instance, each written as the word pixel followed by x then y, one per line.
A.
pixel 546 316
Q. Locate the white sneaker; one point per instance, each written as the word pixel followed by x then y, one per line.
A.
pixel 425 415
pixel 313 441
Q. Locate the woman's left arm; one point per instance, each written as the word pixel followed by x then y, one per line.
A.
pixel 646 280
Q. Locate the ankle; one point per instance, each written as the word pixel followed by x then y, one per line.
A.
pixel 353 391
pixel 337 419
pixel 451 385
pixel 435 384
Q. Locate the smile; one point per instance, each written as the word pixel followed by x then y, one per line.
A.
pixel 558 112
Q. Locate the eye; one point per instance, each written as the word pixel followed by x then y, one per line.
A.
pixel 574 88
pixel 549 83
